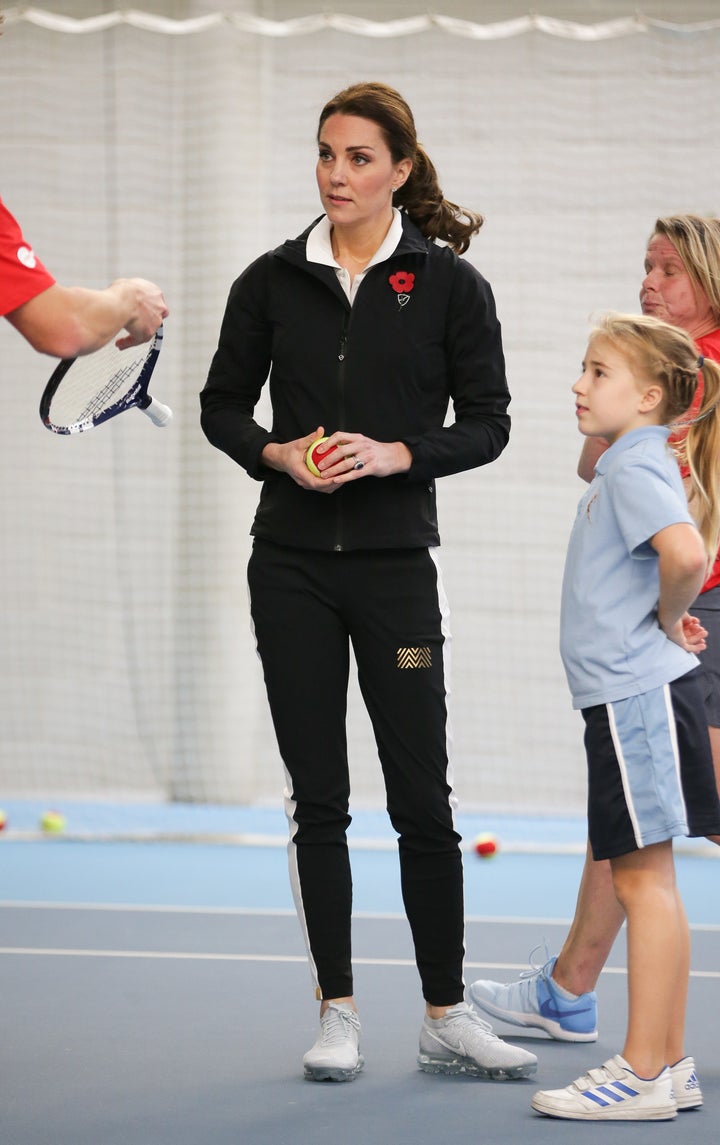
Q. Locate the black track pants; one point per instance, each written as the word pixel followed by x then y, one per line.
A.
pixel 306 609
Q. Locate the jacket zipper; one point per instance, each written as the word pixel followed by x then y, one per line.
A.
pixel 338 546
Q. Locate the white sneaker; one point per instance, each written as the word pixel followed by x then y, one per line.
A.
pixel 462 1042
pixel 336 1054
pixel 685 1084
pixel 611 1093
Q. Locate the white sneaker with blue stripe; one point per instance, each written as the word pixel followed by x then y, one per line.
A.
pixel 611 1093
pixel 535 1001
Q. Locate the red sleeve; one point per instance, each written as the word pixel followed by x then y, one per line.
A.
pixel 22 275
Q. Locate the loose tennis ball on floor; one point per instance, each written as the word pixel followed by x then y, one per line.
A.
pixel 3 820
pixel 52 822
pixel 486 846
pixel 316 453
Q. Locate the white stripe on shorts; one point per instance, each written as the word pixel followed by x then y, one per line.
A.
pixel 644 736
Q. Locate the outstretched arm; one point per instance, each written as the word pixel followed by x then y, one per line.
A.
pixel 66 321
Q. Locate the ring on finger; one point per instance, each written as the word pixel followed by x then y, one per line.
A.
pixel 358 464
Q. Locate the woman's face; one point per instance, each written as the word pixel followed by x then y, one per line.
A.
pixel 355 172
pixel 668 293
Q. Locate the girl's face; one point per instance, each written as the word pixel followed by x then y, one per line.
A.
pixel 609 399
pixel 355 172
pixel 668 293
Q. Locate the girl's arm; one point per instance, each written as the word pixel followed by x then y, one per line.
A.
pixel 681 567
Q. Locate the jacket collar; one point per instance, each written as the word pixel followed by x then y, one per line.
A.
pixel 293 250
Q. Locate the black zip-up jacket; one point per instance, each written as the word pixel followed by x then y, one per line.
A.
pixel 422 331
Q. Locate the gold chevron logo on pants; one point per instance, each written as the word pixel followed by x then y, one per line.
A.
pixel 414 658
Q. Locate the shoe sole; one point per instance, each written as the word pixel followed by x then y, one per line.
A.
pixel 554 1029
pixel 332 1073
pixel 660 1113
pixel 466 1065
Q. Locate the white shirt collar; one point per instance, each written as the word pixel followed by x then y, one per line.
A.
pixel 318 247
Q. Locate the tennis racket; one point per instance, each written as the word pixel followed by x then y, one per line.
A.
pixel 84 392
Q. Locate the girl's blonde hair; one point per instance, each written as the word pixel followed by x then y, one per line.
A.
pixel 668 357
pixel 420 196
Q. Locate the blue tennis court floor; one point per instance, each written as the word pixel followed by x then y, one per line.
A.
pixel 157 993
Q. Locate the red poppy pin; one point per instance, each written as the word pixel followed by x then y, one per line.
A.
pixel 402 283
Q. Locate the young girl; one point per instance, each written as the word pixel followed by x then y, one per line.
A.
pixel 635 562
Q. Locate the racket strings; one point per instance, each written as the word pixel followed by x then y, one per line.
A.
pixel 92 385
pixel 110 391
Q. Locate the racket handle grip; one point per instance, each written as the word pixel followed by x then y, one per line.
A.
pixel 158 413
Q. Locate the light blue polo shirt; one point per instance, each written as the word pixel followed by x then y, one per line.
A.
pixel 610 641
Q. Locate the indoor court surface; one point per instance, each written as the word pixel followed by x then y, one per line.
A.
pixel 158 993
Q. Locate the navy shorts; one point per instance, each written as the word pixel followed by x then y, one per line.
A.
pixel 650 769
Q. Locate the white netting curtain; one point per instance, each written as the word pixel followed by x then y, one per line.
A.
pixel 128 667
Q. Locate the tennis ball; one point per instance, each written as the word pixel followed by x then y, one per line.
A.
pixel 315 453
pixel 52 822
pixel 3 820
pixel 486 846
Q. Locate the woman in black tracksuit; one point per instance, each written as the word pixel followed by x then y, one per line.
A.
pixel 367 329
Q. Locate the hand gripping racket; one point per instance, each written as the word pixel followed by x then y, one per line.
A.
pixel 83 392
